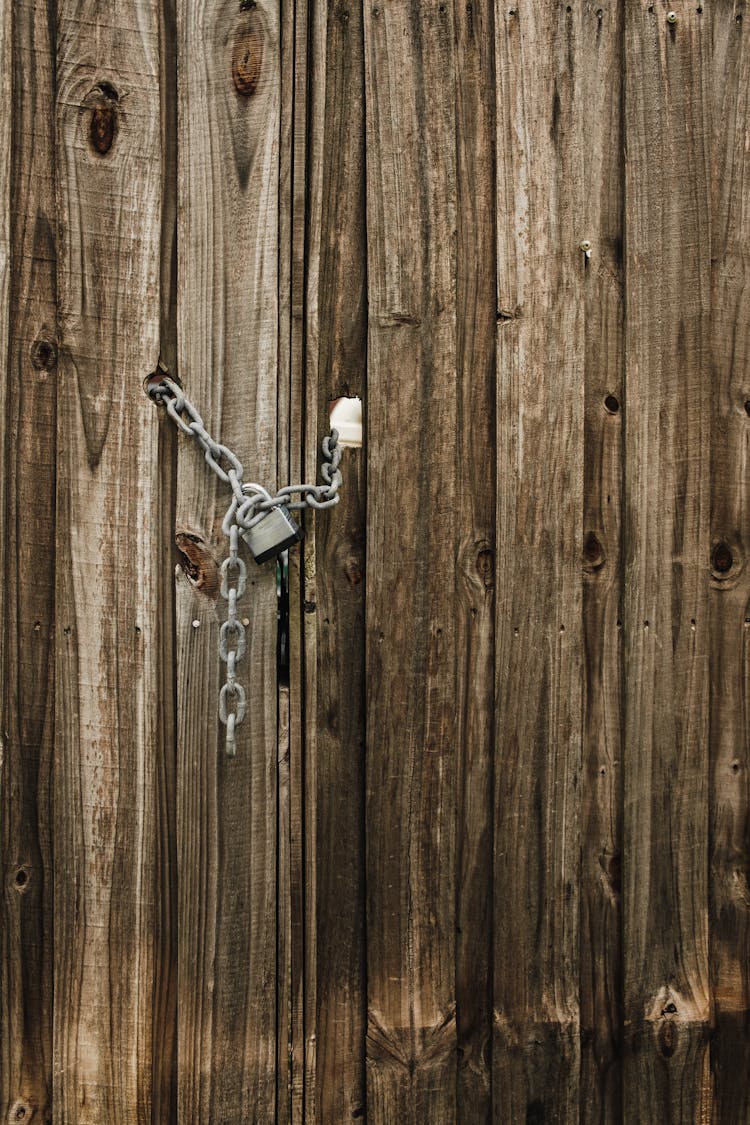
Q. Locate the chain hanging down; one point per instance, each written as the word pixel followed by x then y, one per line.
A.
pixel 251 503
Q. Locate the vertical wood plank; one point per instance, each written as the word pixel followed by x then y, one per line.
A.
pixel 28 336
pixel 109 1044
pixel 165 985
pixel 475 607
pixel 667 551
pixel 228 318
pixel 336 358
pixel 411 548
pixel 540 419
pixel 296 842
pixel 730 572
pixel 601 782
pixel 302 594
pixel 290 908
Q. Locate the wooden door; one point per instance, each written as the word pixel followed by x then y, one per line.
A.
pixel 482 852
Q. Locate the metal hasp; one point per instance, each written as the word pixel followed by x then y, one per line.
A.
pixel 273 534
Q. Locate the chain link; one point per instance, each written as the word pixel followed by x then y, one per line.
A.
pixel 232 640
pixel 249 505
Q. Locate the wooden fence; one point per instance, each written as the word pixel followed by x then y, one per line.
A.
pixel 483 853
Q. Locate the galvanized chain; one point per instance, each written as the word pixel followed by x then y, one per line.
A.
pixel 250 502
pixel 232 639
pixel 249 505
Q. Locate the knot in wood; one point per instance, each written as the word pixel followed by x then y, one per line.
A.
pixel 247 54
pixel 103 127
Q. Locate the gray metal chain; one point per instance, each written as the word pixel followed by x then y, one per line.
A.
pixel 232 640
pixel 250 503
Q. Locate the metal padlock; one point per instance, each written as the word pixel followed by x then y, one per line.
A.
pixel 273 534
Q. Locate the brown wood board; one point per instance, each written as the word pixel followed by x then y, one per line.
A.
pixel 228 322
pixel 333 611
pixel 729 592
pixel 540 430
pixel 411 502
pixel 112 1052
pixel 601 778
pixel 666 533
pixel 28 317
pixel 476 272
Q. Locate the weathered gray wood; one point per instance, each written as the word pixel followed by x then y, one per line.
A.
pixel 411 543
pixel 111 1056
pixel 601 781
pixel 335 561
pixel 667 551
pixel 540 416
pixel 228 353
pixel 730 583
pixel 28 391
pixel 475 606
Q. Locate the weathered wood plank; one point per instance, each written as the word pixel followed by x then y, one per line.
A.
pixel 228 357
pixel 290 908
pixel 541 58
pixel 601 782
pixel 666 552
pixel 28 336
pixel 111 1056
pixel 165 983
pixel 336 354
pixel 302 758
pixel 730 585
pixel 475 607
pixel 6 155
pixel 411 546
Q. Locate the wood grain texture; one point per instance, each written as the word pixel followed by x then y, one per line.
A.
pixel 519 648
pixel 730 581
pixel 29 392
pixel 540 420
pixel 110 1059
pixel 411 547
pixel 300 839
pixel 6 112
pixel 476 284
pixel 336 358
pixel 228 323
pixel 290 880
pixel 666 550
pixel 601 781
pixel 165 983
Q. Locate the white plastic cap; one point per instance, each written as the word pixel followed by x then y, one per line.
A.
pixel 346 417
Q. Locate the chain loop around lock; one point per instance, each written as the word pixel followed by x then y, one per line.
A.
pixel 249 505
pixel 166 393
